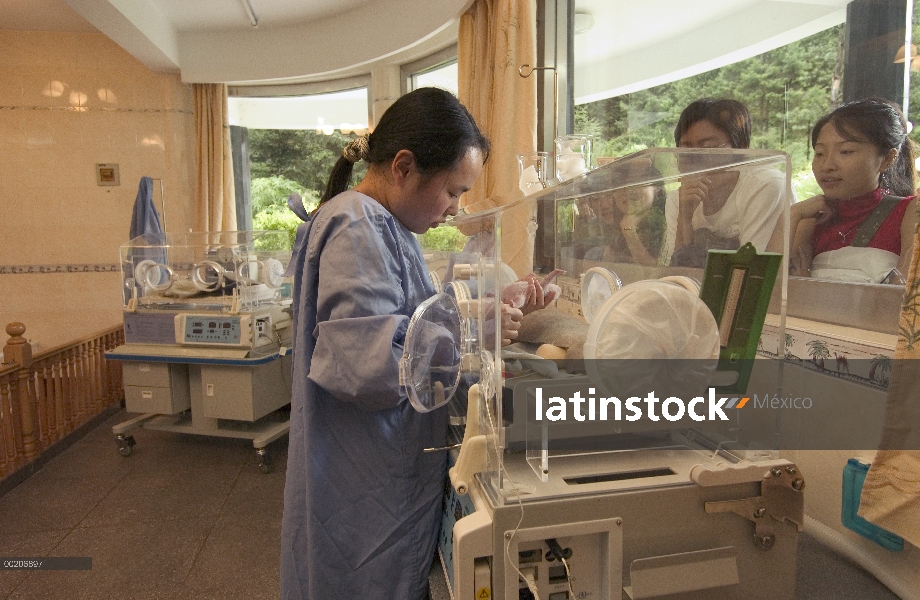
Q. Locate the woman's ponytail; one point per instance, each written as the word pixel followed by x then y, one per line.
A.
pixel 340 177
pixel 902 174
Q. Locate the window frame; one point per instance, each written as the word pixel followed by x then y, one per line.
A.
pixel 426 64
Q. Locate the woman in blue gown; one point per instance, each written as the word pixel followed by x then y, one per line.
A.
pixel 362 501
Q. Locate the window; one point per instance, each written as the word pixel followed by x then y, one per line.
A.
pixel 437 70
pixel 787 61
pixel 444 77
pixel 286 140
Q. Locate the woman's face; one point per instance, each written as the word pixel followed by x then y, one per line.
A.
pixel 631 200
pixel 634 201
pixel 426 202
pixel 846 169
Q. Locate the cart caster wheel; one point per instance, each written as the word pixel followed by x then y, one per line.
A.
pixel 125 445
pixel 265 460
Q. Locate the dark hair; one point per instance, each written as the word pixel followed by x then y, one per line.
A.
pixel 730 116
pixel 879 122
pixel 651 228
pixel 429 122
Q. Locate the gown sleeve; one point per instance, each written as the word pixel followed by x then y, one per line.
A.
pixel 362 312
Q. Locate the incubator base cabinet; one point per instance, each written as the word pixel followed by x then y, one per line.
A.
pixel 628 539
pixel 207 327
pixel 555 492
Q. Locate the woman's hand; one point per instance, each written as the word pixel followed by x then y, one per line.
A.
pixel 800 258
pixel 693 191
pixel 511 323
pixel 637 249
pixel 629 222
pixel 816 208
pixel 803 217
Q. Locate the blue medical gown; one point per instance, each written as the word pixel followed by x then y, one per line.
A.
pixel 362 501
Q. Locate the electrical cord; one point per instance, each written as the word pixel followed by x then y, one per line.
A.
pixel 282 351
pixel 528 579
pixel 568 576
pixel 559 553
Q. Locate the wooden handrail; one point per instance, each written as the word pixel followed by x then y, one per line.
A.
pixel 7 366
pixel 83 340
pixel 45 397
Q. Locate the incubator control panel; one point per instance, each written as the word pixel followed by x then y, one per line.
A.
pixel 210 330
pixel 250 331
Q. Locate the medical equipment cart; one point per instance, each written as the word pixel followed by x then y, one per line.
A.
pixel 207 336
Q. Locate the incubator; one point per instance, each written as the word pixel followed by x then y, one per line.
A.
pixel 555 491
pixel 207 326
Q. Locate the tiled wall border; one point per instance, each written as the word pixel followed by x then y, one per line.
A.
pixel 40 269
pixel 100 109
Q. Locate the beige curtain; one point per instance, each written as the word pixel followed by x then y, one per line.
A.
pixel 496 37
pixel 891 494
pixel 215 201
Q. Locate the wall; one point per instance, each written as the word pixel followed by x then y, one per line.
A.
pixel 67 102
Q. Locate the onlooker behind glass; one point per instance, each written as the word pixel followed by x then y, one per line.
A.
pixel 632 218
pixel 726 209
pixel 862 228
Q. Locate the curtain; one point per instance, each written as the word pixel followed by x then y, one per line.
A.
pixel 891 493
pixel 215 201
pixel 496 37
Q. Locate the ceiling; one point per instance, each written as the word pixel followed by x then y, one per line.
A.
pixel 633 44
pixel 215 41
pixel 42 15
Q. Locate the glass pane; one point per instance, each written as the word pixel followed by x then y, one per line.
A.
pixel 786 90
pixel 787 62
pixel 444 77
pixel 293 143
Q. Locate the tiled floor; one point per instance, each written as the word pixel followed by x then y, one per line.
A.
pixel 183 517
pixel 190 517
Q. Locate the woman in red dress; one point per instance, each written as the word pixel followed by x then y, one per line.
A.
pixel 862 227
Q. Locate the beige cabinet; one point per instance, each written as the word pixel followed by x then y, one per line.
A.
pixel 156 387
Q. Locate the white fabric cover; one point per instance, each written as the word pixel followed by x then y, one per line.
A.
pixel 856 265
pixel 652 320
pixel 643 323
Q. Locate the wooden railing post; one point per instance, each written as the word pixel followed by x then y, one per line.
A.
pixel 18 351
